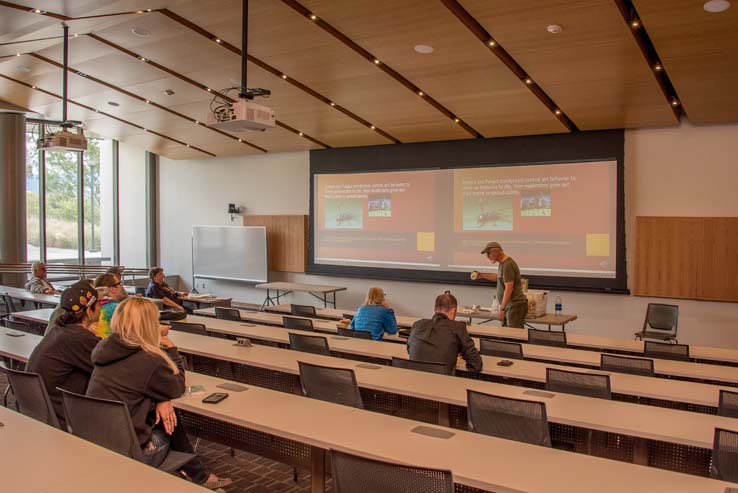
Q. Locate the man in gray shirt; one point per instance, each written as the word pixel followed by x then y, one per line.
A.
pixel 510 296
pixel 38 283
pixel 442 339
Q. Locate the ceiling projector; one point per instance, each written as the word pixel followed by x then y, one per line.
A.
pixel 241 116
pixel 63 141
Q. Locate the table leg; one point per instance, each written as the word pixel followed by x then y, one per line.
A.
pixel 317 470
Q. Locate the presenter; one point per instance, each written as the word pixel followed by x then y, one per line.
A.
pixel 513 303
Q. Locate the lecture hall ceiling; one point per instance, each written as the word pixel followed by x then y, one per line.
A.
pixel 347 73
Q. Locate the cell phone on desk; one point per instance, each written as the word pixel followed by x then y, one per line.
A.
pixel 215 398
pixel 505 362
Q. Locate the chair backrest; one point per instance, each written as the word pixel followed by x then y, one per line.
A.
pixel 623 364
pixel 104 422
pixel 139 290
pixel 547 338
pixel 728 404
pixel 9 305
pixel 356 474
pixel 336 385
pixel 725 455
pixel 298 323
pixel 661 317
pixel 302 310
pixel 191 328
pixel 665 350
pixel 231 314
pixel 309 344
pixel 31 396
pixel 347 316
pixel 501 349
pixel 17 325
pixel 427 366
pixel 572 382
pixel 512 419
pixel 358 334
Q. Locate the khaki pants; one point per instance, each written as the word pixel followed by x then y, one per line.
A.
pixel 515 315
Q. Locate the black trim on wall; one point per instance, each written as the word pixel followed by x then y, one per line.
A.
pixel 508 151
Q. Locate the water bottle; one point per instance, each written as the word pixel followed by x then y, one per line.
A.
pixel 558 305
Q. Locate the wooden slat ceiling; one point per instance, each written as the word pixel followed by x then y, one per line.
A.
pixel 700 53
pixel 593 70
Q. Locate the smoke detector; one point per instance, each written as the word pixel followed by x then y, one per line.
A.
pixel 716 6
pixel 554 29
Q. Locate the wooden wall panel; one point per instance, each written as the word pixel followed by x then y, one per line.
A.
pixel 687 257
pixel 287 238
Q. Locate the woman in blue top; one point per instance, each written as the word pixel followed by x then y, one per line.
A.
pixel 375 315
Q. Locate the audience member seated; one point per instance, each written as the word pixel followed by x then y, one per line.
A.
pixel 62 358
pixel 138 366
pixel 158 289
pixel 116 270
pixel 38 283
pixel 375 315
pixel 111 292
pixel 442 339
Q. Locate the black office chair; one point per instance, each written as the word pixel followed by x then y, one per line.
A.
pixel 302 310
pixel 358 334
pixel 585 384
pixel 426 366
pixel 728 404
pixel 9 304
pixel 665 350
pixel 546 338
pixel 17 325
pixel 231 314
pixel 626 364
pixel 661 323
pixel 501 349
pixel 298 323
pixel 31 397
pixel 190 328
pixel 347 316
pixel 511 419
pixel 725 456
pixel 356 474
pixel 309 344
pixel 108 424
pixel 336 385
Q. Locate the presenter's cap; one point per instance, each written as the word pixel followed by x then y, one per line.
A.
pixel 490 246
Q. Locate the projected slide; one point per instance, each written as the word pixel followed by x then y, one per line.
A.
pixel 554 219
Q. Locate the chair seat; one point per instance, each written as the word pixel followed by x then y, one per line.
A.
pixel 175 461
pixel 655 335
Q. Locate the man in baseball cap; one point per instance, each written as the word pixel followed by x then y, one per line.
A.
pixel 513 302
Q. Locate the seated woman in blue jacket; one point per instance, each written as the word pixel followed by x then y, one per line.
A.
pixel 375 315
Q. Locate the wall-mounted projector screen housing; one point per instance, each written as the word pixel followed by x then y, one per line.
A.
pixel 231 253
pixel 423 212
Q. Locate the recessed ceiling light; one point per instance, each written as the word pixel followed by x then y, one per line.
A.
pixel 23 68
pixel 299 133
pixel 168 92
pixel 332 103
pixel 140 31
pixel 313 17
pixel 554 29
pixel 423 49
pixel 373 127
pixel 716 6
pixel 376 61
pixel 456 120
pixel 113 103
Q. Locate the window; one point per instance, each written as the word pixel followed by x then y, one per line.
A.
pixel 62 203
pixel 33 197
pixel 98 199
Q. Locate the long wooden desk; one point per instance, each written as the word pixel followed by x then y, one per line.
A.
pixel 699 372
pixel 636 427
pixel 36 458
pixel 704 354
pixel 477 461
pixel 37 299
pixel 285 288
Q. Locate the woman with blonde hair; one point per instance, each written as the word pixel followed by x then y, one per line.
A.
pixel 375 315
pixel 139 366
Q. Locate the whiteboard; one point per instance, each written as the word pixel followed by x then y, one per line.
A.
pixel 233 253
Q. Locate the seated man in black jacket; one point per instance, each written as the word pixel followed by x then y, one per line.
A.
pixel 441 339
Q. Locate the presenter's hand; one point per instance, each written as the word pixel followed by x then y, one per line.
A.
pixel 501 315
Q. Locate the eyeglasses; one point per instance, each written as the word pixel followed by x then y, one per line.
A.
pixel 116 284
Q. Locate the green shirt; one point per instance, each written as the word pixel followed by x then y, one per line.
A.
pixel 508 271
